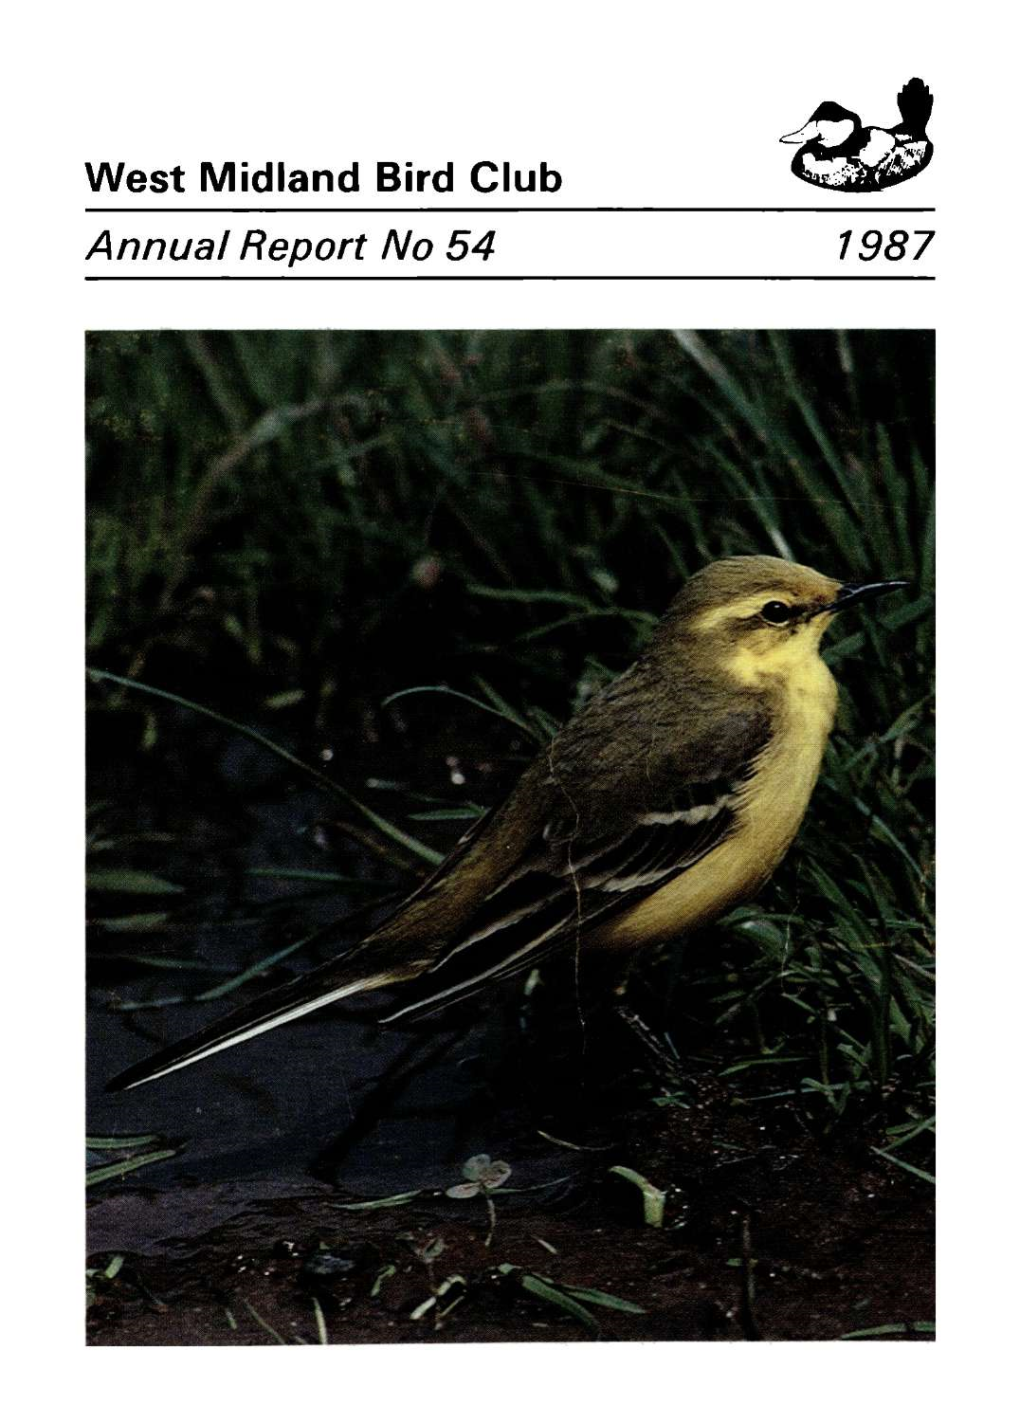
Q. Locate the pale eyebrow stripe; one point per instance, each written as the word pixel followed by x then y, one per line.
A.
pixel 744 609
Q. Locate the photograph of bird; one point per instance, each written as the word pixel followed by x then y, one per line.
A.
pixel 670 797
pixel 838 151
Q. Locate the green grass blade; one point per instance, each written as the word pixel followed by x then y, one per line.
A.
pixel 117 1169
pixel 129 882
pixel 400 837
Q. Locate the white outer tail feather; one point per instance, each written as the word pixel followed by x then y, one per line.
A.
pixel 361 985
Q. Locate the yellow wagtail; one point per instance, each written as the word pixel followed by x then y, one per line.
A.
pixel 670 797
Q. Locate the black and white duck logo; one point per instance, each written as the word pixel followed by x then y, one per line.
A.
pixel 839 152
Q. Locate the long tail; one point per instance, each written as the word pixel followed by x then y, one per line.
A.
pixel 915 104
pixel 334 981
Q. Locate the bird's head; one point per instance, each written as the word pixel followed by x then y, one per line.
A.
pixel 829 126
pixel 761 617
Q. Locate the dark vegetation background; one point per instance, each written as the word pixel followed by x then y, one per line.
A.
pixel 291 527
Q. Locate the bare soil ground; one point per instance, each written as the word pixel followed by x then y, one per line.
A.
pixel 769 1233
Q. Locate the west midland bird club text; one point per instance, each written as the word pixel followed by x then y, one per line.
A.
pixel 483 177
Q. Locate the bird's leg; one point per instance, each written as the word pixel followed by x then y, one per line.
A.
pixel 658 1050
pixel 659 1054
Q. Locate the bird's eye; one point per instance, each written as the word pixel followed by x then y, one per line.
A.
pixel 776 612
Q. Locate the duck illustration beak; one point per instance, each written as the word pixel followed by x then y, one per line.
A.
pixel 803 135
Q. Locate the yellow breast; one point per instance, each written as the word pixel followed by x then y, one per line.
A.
pixel 768 818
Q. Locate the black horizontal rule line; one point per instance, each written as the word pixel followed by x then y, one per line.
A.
pixel 537 277
pixel 504 210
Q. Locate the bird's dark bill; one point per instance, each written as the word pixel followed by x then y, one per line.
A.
pixel 861 592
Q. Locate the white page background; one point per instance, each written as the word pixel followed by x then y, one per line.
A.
pixel 635 104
